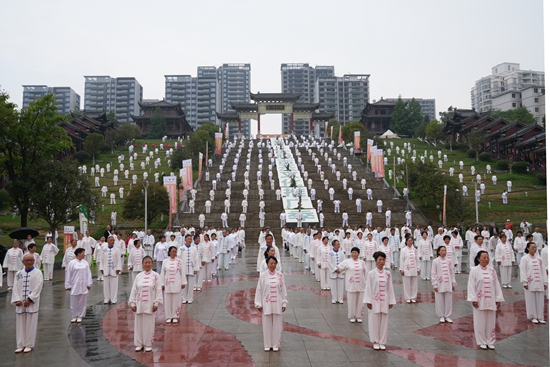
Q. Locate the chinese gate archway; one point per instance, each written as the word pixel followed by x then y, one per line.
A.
pixel 274 103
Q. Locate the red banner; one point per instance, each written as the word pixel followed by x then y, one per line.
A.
pixel 218 142
pixel 170 184
pixel 340 140
pixel 357 141
pixel 200 165
pixel 369 146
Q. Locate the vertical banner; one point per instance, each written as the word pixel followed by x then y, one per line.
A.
pixel 200 166
pixel 170 184
pixel 326 128
pixel 331 132
pixel 206 160
pixel 444 218
pixel 186 174
pixel 83 218
pixel 218 142
pixel 68 235
pixel 357 141
pixel 227 131
pixel 369 146
pixel 340 140
pixel 378 163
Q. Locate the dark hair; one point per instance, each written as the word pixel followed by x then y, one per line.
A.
pixel 378 254
pixel 78 251
pixel 356 249
pixel 197 236
pixel 269 258
pixel 529 245
pixel 187 235
pixel 478 255
pixel 31 245
pixel 145 258
pixel 385 238
pixel 162 236
pixel 266 252
pixel 268 235
pixel 172 247
pixel 478 236
pixel 136 242
pixel 446 236
pixel 439 249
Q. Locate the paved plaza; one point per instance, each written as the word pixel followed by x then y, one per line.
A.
pixel 222 328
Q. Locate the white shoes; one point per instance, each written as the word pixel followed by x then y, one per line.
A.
pixel 359 320
pixel 413 300
pixel 168 321
pixel 19 350
pixel 535 321
pixel 441 319
pixel 333 302
pixel 483 346
pixel 78 320
pixel 448 319
pixel 382 347
pixel 542 322
pixel 376 346
pixel 73 320
pixel 138 349
pixel 275 349
pixel 352 320
pixel 27 350
pixel 491 346
pixel 148 349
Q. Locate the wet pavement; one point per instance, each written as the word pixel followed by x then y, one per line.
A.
pixel 222 328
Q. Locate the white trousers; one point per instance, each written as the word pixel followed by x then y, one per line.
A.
pixel 458 265
pixel 200 278
pixel 159 267
pixel 110 289
pixel 378 327
pixel 25 329
pixel 88 258
pixel 444 304
pixel 425 269
pixel 78 305
pixel 307 260
pixel 207 210
pixel 355 305
pixel 272 326
pixel 337 289
pixel 223 261
pixel 48 272
pixel 484 326
pixel 370 264
pixel 172 304
pixel 410 287
pixel 323 273
pixel 134 275
pixel 206 271
pixel 505 274
pixel 300 253
pixel 534 304
pixel 99 273
pixel 317 272
pixel 144 329
pixel 11 277
pixel 187 292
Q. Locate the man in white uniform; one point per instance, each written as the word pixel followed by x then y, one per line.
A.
pixel 110 267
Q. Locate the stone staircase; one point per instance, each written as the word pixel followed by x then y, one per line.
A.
pixel 273 208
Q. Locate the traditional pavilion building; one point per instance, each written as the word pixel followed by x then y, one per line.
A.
pixel 376 116
pixel 81 125
pixel 176 123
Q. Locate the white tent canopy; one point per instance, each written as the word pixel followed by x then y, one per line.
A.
pixel 389 135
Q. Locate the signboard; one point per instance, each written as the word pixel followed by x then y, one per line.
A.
pixel 200 165
pixel 68 235
pixel 302 115
pixel 268 108
pixel 170 184
pixel 308 216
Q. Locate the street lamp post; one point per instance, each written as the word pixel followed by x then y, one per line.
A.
pixel 145 187
pixel 475 199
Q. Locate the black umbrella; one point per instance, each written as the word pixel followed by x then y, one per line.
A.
pixel 23 232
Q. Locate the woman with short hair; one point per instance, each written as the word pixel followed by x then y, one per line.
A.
pixel 78 280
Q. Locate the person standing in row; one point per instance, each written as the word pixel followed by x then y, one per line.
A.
pixel 13 262
pixel 485 294
pixel 78 280
pixel 535 282
pixel 380 298
pixel 444 283
pixel 173 281
pixel 409 267
pixel 355 271
pixel 25 297
pixel 145 298
pixel 504 256
pixel 110 267
pixel 322 263
pixel 208 256
pixel 191 265
pixel 336 277
pixel 49 251
pixel 135 259
pixel 271 301
pixel 425 256
pixel 161 253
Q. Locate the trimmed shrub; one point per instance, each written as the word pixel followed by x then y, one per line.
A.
pixel 471 153
pixel 502 165
pixel 542 178
pixel 520 167
pixel 457 146
pixel 485 157
pixel 82 156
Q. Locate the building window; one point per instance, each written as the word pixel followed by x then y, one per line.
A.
pixel 536 109
pixel 536 100
pixel 514 105
pixel 536 90
pixel 513 95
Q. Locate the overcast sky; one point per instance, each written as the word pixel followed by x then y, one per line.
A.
pixel 423 48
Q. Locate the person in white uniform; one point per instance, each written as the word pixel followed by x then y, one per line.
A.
pixel 504 256
pixel 409 267
pixel 425 254
pixel 25 297
pixel 145 299
pixel 355 275
pixel 173 282
pixel 336 276
pixel 191 265
pixel 110 266
pixel 13 262
pixel 271 300
pixel 535 282
pixel 322 263
pixel 78 280
pixel 444 283
pixel 380 298
pixel 137 253
pixel 485 294
pixel 49 251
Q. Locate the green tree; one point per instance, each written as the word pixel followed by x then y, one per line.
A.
pixel 94 144
pixel 111 116
pixel 399 117
pixel 335 124
pixel 461 209
pixel 27 138
pixel 58 189
pixel 434 131
pixel 446 114
pixel 157 128
pixel 521 113
pixel 475 141
pixel 157 202
pixel 349 129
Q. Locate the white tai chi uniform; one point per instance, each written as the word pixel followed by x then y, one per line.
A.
pixel 225 248
pixel 172 279
pixel 533 275
pixel 78 277
pixel 134 262
pixel 191 266
pixel 335 258
pixel 13 263
pixel 355 273
pixel 146 293
pixel 271 296
pixel 27 286
pixel 425 255
pixel 322 264
pixel 505 256
pixel 369 247
pixel 379 293
pixel 443 278
pixel 409 263
pixel 110 266
pixel 48 259
pixel 483 288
